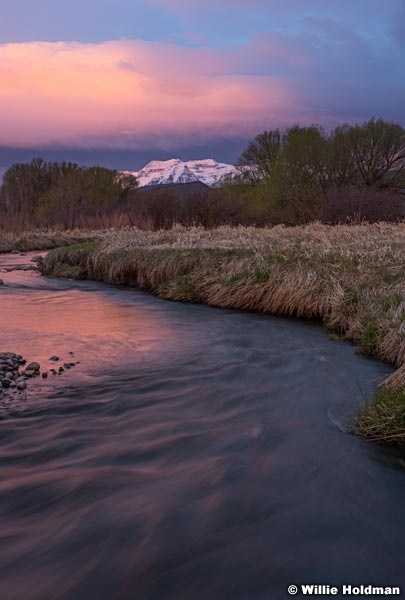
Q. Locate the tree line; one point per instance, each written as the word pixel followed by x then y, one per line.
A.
pixel 287 176
pixel 60 193
pixel 303 172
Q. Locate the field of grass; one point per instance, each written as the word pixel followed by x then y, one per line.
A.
pixel 41 239
pixel 350 277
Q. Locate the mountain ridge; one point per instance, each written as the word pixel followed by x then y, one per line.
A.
pixel 163 172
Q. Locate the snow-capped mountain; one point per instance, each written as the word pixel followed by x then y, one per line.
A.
pixel 160 172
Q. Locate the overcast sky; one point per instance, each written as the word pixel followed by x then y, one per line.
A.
pixel 130 80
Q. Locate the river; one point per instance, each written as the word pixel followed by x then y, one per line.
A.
pixel 192 454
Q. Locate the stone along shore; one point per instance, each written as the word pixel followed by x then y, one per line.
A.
pixel 15 373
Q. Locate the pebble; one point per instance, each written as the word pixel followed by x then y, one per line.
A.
pixel 13 379
pixel 21 268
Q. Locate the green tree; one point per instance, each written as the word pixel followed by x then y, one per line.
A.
pixel 305 157
pixel 341 166
pixel 61 192
pixel 23 184
pixel 78 192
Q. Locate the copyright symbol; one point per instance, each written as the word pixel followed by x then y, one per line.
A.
pixel 292 590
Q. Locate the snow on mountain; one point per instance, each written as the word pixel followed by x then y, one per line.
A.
pixel 160 172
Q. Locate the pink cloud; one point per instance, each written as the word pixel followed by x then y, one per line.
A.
pixel 124 93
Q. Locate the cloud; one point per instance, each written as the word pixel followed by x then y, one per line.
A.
pixel 360 9
pixel 128 92
pixel 138 94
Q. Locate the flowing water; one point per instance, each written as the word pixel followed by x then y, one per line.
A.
pixel 192 454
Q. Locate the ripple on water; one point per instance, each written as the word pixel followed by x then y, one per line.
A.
pixel 193 453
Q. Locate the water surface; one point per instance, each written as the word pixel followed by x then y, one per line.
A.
pixel 194 453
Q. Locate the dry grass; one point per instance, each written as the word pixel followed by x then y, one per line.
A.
pixel 351 277
pixel 42 239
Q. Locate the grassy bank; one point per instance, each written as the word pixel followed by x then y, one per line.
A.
pixel 350 277
pixel 42 239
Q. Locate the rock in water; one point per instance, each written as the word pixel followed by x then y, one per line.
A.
pixel 32 369
pixel 12 379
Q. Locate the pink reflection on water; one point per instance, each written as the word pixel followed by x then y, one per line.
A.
pixel 94 325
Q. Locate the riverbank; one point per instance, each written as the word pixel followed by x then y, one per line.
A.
pixel 350 277
pixel 42 239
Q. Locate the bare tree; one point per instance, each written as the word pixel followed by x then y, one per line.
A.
pixel 378 150
pixel 260 157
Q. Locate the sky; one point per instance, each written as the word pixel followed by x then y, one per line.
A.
pixel 121 82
